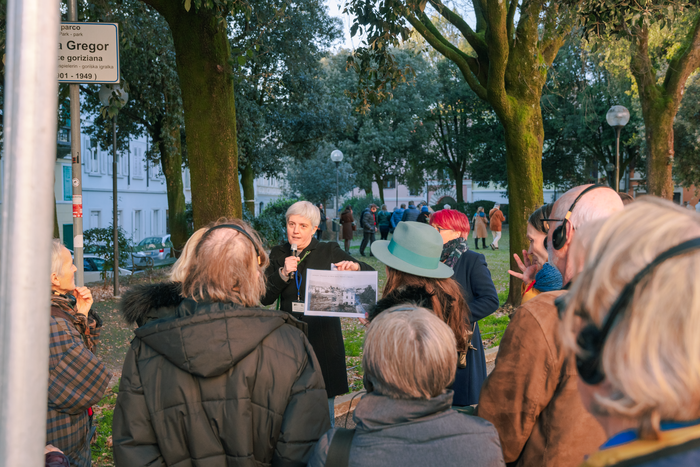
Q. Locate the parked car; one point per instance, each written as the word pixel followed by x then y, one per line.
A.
pixel 152 250
pixel 93 266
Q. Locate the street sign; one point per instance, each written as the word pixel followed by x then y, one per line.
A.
pixel 88 53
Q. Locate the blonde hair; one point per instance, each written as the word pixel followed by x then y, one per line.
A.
pixel 409 353
pixel 306 210
pixel 225 266
pixel 56 261
pixel 651 356
pixel 179 270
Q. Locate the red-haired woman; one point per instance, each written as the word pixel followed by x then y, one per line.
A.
pixel 474 277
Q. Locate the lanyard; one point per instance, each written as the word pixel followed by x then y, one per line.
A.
pixel 298 279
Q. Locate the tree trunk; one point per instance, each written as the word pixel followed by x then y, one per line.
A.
pixel 380 184
pixel 459 185
pixel 171 162
pixel 524 135
pixel 248 183
pixel 659 139
pixel 203 53
pixel 56 232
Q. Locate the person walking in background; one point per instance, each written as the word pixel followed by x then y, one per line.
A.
pixel 384 222
pixel 405 418
pixel 496 219
pixel 184 400
pixel 541 420
pixel 396 216
pixel 410 214
pixel 324 332
pixel 368 222
pixel 536 273
pixel 347 223
pixel 424 216
pixel 322 223
pixel 479 223
pixel 77 378
pixel 632 317
pixel 473 275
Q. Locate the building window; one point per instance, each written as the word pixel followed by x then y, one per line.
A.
pixel 94 161
pixel 137 232
pixel 187 179
pixel 95 219
pixel 67 186
pixel 390 182
pixel 124 163
pixel 63 135
pixel 156 222
pixel 261 207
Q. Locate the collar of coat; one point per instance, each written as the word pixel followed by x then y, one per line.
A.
pixel 376 410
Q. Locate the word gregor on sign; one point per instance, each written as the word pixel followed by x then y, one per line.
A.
pixel 88 53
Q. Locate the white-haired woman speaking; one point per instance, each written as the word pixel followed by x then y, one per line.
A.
pixel 324 333
pixel 633 318
pixel 406 417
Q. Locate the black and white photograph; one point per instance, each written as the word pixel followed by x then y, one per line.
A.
pixel 348 294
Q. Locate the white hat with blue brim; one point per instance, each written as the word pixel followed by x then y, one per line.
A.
pixel 415 248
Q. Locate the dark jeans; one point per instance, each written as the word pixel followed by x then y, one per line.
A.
pixel 384 229
pixel 366 237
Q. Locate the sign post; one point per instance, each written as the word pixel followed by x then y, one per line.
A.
pixel 87 53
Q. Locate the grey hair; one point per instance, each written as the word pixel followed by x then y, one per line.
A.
pixel 56 261
pixel 586 209
pixel 306 210
pixel 409 353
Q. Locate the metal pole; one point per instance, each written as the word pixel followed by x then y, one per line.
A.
pixel 30 127
pixel 337 206
pixel 115 225
pixel 396 188
pixel 74 93
pixel 617 159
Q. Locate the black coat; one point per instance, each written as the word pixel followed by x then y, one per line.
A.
pixel 215 384
pixel 480 294
pixel 324 332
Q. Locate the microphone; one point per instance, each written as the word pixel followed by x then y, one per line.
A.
pixel 295 252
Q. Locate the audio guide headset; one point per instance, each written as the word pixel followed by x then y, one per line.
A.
pixel 591 339
pixel 559 235
pixel 229 226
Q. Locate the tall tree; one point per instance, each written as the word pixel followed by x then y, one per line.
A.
pixel 278 91
pixel 687 136
pixel 660 74
pixel 315 179
pixel 508 68
pixel 200 32
pixel 155 103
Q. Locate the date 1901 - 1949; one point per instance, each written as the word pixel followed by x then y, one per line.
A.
pixel 77 76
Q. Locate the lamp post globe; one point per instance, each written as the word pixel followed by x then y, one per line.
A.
pixel 617 117
pixel 336 156
pixel 107 93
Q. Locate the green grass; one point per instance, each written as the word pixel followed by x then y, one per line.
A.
pixel 492 329
pixel 104 413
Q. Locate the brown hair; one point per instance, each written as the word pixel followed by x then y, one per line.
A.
pixel 226 266
pixel 536 218
pixel 447 302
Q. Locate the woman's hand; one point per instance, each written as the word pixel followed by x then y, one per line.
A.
pixel 290 264
pixel 528 269
pixel 83 300
pixel 347 266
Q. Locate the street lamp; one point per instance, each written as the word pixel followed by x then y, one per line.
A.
pixel 617 117
pixel 336 156
pixel 108 94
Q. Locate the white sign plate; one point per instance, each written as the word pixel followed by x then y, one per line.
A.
pixel 88 53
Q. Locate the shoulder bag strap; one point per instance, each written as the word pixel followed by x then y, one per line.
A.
pixel 339 450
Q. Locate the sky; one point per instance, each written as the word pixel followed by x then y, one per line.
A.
pixel 335 8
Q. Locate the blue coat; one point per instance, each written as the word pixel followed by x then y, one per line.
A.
pixel 396 217
pixel 474 277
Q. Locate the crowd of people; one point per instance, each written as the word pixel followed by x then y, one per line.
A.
pixel 599 365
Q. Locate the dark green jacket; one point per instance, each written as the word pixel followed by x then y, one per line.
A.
pixel 215 384
pixel 384 218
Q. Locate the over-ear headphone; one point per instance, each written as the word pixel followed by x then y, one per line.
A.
pixel 559 235
pixel 229 226
pixel 591 338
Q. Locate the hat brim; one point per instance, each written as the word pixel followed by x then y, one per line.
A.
pixel 380 249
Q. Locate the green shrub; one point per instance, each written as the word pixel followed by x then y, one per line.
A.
pixel 271 223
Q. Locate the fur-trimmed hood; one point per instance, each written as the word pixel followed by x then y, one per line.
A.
pixel 147 302
pixel 403 295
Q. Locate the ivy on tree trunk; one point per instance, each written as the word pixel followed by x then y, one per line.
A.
pixel 203 52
